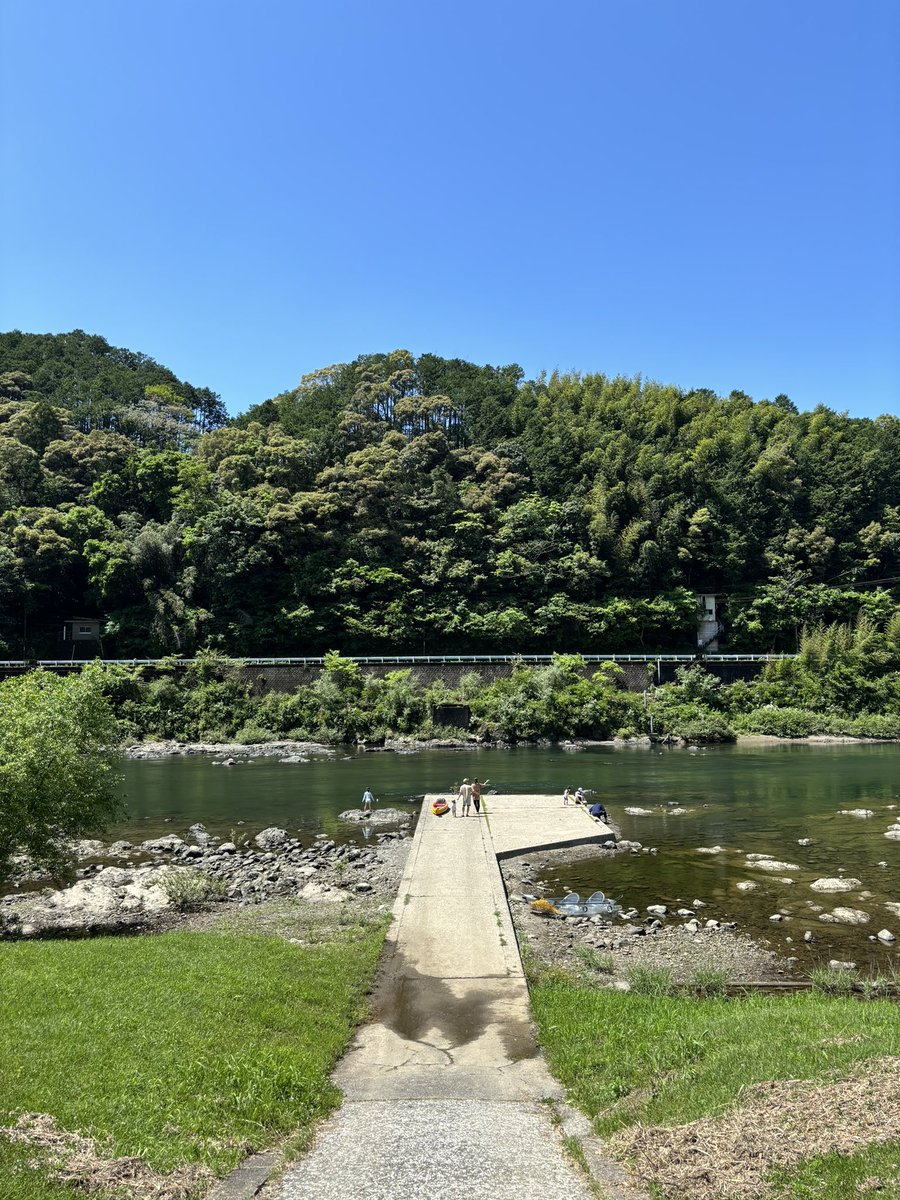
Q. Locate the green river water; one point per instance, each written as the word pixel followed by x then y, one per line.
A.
pixel 746 799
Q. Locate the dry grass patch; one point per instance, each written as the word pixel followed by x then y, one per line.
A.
pixel 73 1159
pixel 778 1124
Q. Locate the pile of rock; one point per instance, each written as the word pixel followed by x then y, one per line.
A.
pixel 683 946
pixel 111 899
pixel 233 751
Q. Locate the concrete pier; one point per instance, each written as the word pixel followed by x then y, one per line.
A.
pixel 443 1089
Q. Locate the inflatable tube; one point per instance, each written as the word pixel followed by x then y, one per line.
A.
pixel 440 807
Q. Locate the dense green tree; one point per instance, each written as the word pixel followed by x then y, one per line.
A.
pixel 56 778
pixel 399 502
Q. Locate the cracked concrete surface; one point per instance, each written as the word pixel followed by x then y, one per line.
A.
pixel 443 1089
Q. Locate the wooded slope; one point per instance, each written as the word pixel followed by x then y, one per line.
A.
pixel 407 504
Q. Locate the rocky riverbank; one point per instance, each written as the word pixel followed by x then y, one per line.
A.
pixel 225 750
pixel 232 753
pixel 683 941
pixel 125 888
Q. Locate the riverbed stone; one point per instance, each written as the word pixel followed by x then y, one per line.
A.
pixel 272 836
pixel 379 816
pixel 710 849
pixel 169 843
pixel 658 910
pixel 885 935
pixel 855 812
pixel 850 916
pixel 837 964
pixel 772 864
pixel 833 884
pixel 88 848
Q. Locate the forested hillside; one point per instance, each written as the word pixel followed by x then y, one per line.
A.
pixel 423 504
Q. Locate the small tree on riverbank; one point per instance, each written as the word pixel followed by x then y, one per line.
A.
pixel 56 766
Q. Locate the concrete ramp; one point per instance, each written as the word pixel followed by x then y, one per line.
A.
pixel 443 1089
pixel 524 824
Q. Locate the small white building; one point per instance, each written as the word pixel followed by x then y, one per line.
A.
pixel 708 625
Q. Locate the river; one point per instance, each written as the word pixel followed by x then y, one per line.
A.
pixel 746 799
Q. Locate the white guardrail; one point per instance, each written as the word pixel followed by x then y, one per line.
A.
pixel 405 659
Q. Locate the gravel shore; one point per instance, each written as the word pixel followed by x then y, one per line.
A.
pixel 683 942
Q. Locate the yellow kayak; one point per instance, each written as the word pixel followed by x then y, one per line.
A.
pixel 439 807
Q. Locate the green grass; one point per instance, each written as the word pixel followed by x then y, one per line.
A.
pixel 669 1060
pixel 187 1047
pixel 595 960
pixel 874 1173
pixel 18 1182
pixel 650 981
pixel 833 982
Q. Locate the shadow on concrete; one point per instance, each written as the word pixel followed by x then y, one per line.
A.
pixel 415 1006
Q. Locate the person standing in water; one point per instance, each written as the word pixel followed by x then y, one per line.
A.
pixel 477 789
pixel 367 801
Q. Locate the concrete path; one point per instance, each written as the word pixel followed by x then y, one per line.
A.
pixel 444 1089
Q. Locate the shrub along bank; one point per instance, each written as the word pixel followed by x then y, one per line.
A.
pixel 845 680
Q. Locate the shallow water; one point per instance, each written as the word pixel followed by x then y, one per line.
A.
pixel 747 799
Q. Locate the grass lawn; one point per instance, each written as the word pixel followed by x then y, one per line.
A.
pixel 185 1047
pixel 633 1061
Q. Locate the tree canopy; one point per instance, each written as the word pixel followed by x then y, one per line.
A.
pixel 399 504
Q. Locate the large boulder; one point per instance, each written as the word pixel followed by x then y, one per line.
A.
pixel 113 899
pixel 269 838
pixel 380 816
pixel 170 843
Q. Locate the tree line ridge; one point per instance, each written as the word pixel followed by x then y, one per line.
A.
pixel 407 504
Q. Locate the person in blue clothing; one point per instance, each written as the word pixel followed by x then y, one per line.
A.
pixel 598 811
pixel 367 801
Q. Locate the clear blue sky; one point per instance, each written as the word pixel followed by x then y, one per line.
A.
pixel 706 192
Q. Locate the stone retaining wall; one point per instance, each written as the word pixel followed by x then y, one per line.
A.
pixel 635 674
pixel 288 677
